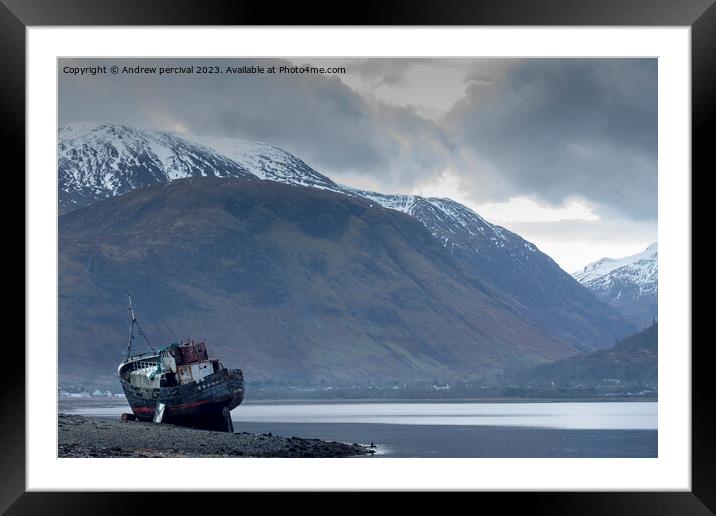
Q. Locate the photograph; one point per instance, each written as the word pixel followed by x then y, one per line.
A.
pixel 358 257
pixel 414 251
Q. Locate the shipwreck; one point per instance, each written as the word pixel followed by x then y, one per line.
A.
pixel 179 384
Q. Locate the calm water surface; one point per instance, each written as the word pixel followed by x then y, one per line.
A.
pixel 549 429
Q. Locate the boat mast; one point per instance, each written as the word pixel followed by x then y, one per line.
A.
pixel 131 329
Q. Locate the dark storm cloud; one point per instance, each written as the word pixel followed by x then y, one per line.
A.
pixel 317 117
pixel 555 128
pixel 384 71
pixel 394 71
pixel 545 128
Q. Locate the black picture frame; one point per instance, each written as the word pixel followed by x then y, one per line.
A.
pixel 17 15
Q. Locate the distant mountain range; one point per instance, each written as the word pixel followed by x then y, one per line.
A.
pixel 305 280
pixel 629 284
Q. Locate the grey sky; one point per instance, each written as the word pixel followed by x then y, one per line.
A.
pixel 535 136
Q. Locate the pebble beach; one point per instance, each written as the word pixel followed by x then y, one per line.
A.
pixel 80 436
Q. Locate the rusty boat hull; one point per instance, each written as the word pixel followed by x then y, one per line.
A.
pixel 204 404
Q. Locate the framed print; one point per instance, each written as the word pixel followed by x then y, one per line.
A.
pixel 415 252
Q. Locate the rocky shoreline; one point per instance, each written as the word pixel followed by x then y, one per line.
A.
pixel 80 436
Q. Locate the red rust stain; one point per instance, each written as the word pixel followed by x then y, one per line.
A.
pixel 190 404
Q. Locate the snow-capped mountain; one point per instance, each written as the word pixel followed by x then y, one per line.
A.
pixel 100 161
pixel 270 162
pixel 643 267
pixel 629 284
pixel 453 224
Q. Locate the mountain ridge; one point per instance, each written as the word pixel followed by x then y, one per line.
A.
pixel 100 161
pixel 629 284
pixel 513 264
pixel 521 279
pixel 629 368
pixel 290 284
pixel 500 256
